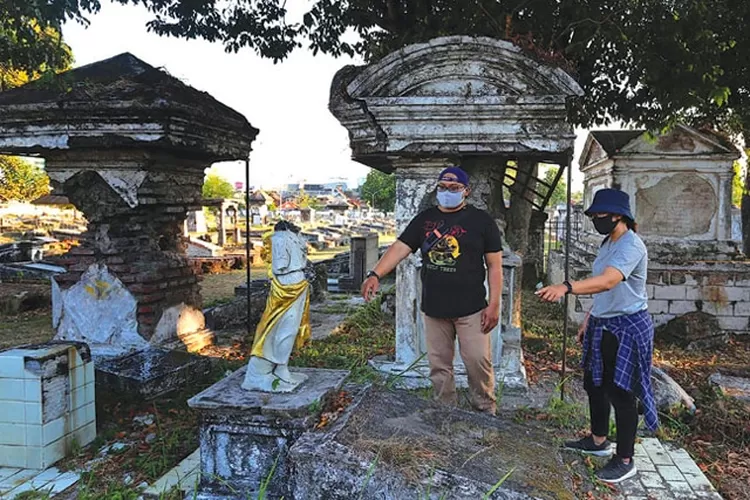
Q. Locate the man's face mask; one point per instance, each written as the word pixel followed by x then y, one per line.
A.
pixel 605 224
pixel 450 196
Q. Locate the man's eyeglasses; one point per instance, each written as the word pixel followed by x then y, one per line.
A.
pixel 452 189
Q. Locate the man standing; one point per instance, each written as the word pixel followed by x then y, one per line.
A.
pixel 456 240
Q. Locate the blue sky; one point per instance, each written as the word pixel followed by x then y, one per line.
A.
pixel 299 139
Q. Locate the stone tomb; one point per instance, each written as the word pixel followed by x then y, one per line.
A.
pixel 680 183
pixel 46 403
pixel 477 102
pixel 245 436
pixel 128 144
pixel 680 190
pixel 150 373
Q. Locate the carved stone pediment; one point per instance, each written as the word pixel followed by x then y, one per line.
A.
pixel 454 95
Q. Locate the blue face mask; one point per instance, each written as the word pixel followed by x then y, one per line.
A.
pixel 446 199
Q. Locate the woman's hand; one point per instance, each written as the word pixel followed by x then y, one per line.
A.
pixel 552 293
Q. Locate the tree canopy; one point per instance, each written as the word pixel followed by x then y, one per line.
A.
pixel 216 186
pixel 21 180
pixel 379 190
pixel 560 194
pixel 649 62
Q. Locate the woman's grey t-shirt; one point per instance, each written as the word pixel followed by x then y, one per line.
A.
pixel 629 256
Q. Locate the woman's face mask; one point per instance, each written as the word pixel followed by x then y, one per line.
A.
pixel 604 225
pixel 450 197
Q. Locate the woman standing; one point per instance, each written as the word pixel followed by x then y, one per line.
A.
pixel 617 335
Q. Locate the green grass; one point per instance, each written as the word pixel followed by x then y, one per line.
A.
pixel 365 333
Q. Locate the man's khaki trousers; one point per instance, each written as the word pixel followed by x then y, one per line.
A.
pixel 474 347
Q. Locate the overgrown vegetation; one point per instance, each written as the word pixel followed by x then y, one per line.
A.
pixel 367 332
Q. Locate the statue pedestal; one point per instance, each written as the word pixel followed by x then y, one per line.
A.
pixel 245 435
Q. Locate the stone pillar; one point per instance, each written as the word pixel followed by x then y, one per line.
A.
pixel 222 226
pixel 362 257
pixel 724 215
pixel 415 184
pixel 131 267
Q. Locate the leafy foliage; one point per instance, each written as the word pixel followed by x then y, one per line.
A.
pixel 379 189
pixel 21 180
pixel 646 61
pixel 650 63
pixel 216 186
pixel 30 43
pixel 560 194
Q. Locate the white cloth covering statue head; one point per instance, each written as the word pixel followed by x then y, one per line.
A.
pixel 285 321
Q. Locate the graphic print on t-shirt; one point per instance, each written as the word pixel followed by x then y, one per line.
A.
pixel 444 254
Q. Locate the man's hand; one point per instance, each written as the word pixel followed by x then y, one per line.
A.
pixel 370 287
pixel 552 293
pixel 490 317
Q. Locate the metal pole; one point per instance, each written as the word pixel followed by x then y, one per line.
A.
pixel 247 240
pixel 567 276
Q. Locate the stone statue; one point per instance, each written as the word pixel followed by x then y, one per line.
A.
pixel 286 319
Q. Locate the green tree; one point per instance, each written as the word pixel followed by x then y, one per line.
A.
pixel 560 193
pixel 216 186
pixel 379 190
pixel 646 62
pixel 21 180
pixel 304 200
pixel 31 45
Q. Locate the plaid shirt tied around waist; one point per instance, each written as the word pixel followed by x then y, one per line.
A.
pixel 635 334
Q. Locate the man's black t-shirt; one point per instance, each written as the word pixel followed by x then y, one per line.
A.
pixel 453 269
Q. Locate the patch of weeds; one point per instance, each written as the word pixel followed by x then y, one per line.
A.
pixel 218 302
pixel 95 487
pixel 34 495
pixel 335 309
pixel 315 406
pixel 564 415
pixel 365 333
pixel 423 392
pixel 363 374
pixel 499 390
pixel 408 455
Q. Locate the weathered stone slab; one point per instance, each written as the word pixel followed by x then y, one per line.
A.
pixel 150 373
pixel 394 445
pixel 245 436
pixel 669 393
pixel 692 330
pixel 736 387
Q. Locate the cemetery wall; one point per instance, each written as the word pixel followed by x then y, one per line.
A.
pixel 717 287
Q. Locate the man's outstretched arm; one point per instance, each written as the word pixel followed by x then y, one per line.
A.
pixel 397 252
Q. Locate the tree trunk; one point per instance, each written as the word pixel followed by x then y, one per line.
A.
pixel 518 222
pixel 518 218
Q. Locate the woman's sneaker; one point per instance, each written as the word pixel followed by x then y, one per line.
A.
pixel 586 445
pixel 616 471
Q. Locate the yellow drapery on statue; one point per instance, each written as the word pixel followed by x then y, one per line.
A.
pixel 280 299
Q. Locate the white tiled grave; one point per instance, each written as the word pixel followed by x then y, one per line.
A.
pixel 47 401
